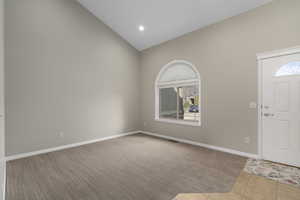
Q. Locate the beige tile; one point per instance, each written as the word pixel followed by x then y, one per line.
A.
pixel 224 196
pixel 247 187
pixel 241 183
pixel 191 197
pixel 260 188
pixel 288 192
pixel 250 187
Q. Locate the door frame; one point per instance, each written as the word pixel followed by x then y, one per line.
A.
pixel 260 57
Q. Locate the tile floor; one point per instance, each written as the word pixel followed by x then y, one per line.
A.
pixel 250 187
pixel 275 171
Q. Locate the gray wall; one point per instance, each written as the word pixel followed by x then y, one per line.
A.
pixel 2 156
pixel 68 72
pixel 225 55
pixel 65 72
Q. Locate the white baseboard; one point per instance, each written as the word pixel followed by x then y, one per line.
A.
pixel 24 155
pixel 231 151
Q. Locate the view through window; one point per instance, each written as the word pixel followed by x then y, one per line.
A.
pixel 180 103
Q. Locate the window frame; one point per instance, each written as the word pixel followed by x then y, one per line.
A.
pixel 180 83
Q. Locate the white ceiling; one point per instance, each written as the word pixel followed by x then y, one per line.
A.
pixel 164 19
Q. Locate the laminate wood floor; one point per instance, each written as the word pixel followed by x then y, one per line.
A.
pixel 135 167
pixel 250 187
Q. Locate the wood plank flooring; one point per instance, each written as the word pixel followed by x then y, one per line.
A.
pixel 250 187
pixel 136 167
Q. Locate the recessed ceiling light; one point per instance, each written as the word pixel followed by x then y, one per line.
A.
pixel 141 28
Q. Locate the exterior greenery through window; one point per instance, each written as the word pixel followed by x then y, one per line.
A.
pixel 178 94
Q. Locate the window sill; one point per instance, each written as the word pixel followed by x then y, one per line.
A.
pixel 179 122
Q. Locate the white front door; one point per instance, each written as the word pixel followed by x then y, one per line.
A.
pixel 281 109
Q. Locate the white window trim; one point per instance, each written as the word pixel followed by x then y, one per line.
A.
pixel 177 84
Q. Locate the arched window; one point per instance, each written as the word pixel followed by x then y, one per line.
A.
pixel 292 68
pixel 177 94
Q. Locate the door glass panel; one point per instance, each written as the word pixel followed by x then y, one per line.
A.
pixel 168 103
pixel 292 68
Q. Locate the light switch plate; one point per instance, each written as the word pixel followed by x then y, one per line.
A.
pixel 247 140
pixel 253 105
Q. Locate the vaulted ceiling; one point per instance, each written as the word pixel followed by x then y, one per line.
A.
pixel 164 19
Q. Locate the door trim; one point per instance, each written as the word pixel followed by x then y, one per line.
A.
pixel 260 57
pixel 277 53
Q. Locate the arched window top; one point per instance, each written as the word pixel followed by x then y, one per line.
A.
pixel 292 68
pixel 177 70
